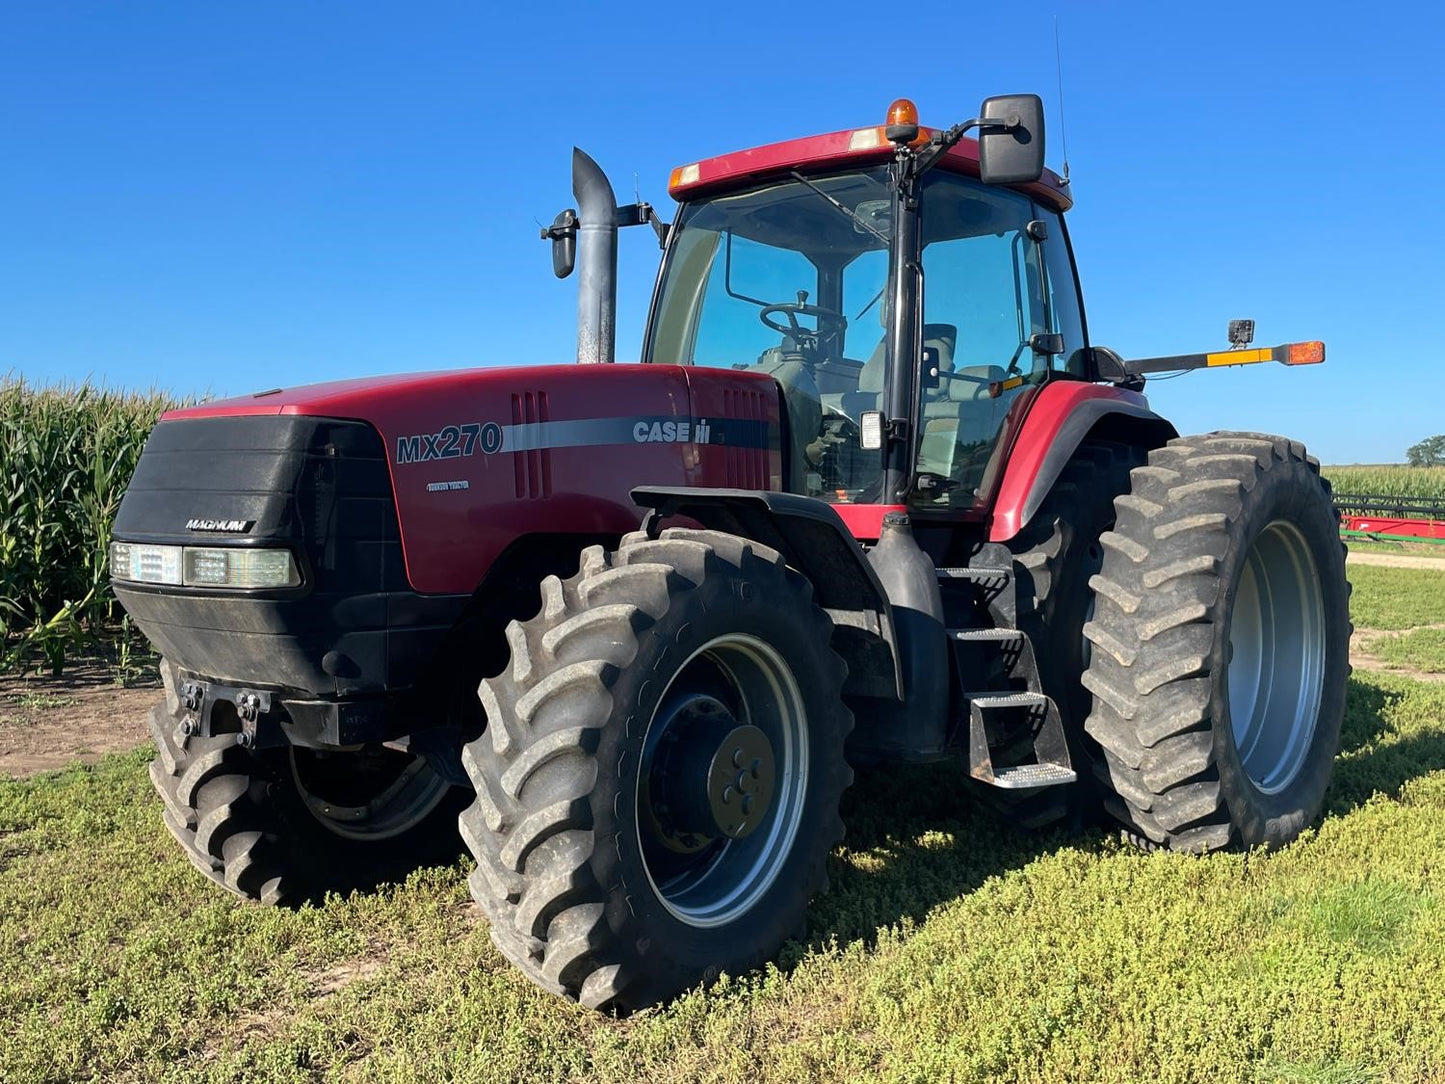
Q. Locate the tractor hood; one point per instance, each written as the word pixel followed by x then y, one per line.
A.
pixel 362 397
pixel 478 458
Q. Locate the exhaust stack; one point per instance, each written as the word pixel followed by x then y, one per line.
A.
pixel 597 260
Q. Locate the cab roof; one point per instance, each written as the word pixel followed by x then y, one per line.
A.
pixel 852 147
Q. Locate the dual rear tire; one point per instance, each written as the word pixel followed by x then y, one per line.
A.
pixel 1220 644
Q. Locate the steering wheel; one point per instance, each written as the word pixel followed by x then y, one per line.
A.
pixel 830 322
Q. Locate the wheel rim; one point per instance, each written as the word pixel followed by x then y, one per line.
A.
pixel 367 795
pixel 730 728
pixel 1276 657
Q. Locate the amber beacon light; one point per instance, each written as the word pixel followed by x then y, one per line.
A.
pixel 903 112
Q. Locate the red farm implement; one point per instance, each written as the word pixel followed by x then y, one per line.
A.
pixel 1412 519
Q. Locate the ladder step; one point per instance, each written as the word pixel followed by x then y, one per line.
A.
pixel 992 635
pixel 974 573
pixel 1007 700
pixel 1033 775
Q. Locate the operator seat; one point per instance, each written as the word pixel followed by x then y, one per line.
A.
pixel 803 404
pixel 941 338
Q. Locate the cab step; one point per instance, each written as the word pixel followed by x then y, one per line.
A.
pixel 974 573
pixel 1000 636
pixel 1007 700
pixel 1033 775
pixel 1052 766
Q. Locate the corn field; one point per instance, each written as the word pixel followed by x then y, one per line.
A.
pixel 66 456
pixel 1388 481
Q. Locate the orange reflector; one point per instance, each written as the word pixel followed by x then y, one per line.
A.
pixel 902 111
pixel 682 176
pixel 1310 353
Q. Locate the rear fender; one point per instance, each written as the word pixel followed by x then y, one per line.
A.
pixel 815 541
pixel 1063 416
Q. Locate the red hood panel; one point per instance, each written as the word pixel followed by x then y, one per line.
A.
pixel 359 397
pixel 482 459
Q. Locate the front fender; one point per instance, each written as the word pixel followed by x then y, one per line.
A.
pixel 1064 414
pixel 813 540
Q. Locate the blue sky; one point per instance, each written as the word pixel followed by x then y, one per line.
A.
pixel 228 197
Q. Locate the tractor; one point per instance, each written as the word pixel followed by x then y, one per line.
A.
pixel 870 497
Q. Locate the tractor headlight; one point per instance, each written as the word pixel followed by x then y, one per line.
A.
pixel 203 566
pixel 145 564
pixel 239 568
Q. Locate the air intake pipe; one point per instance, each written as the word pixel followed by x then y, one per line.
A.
pixel 597 260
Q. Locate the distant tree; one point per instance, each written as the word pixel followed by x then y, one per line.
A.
pixel 1430 452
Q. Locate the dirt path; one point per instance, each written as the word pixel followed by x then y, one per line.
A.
pixel 1396 560
pixel 1362 655
pixel 47 723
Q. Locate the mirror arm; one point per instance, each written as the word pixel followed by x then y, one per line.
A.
pixel 636 214
pixel 942 142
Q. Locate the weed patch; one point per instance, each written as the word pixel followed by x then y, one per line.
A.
pixel 1396 598
pixel 948 948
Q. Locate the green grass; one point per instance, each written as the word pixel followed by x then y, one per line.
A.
pixel 947 949
pixel 1396 598
pixel 1418 649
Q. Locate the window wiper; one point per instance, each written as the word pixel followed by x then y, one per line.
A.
pixel 859 221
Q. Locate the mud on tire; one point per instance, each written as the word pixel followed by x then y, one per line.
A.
pixel 574 851
pixel 1220 644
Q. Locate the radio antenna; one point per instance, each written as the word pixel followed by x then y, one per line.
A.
pixel 1059 70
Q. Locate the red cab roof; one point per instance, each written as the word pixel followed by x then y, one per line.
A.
pixel 836 150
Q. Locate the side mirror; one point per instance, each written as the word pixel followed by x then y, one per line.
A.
pixel 1047 343
pixel 1109 366
pixel 563 235
pixel 1011 139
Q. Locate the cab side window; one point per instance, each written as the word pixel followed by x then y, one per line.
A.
pixel 1065 312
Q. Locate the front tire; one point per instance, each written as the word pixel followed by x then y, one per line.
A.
pixel 287 825
pixel 658 786
pixel 1220 644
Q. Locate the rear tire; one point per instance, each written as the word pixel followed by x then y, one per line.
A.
pixel 1221 644
pixel 602 879
pixel 248 821
pixel 1054 557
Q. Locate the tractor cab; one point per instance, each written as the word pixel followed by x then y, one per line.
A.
pixel 821 275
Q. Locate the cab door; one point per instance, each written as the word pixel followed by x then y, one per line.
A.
pixel 997 285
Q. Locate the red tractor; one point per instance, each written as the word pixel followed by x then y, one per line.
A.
pixel 871 496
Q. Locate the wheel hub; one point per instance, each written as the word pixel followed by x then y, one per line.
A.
pixel 712 776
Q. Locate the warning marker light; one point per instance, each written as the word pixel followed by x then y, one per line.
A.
pixel 1310 353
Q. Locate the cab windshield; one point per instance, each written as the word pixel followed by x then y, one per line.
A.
pixel 788 279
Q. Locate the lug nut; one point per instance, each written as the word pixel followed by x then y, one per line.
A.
pixel 188 727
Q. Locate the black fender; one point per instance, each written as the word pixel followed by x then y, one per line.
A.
pixel 814 541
